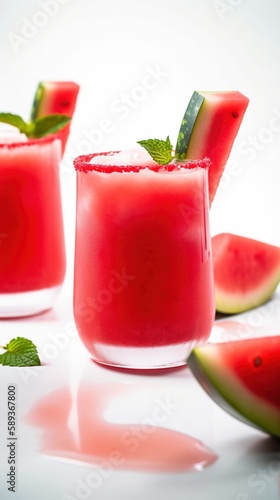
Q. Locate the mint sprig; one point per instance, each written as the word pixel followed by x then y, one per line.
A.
pixel 37 128
pixel 159 150
pixel 16 121
pixel 48 125
pixel 20 352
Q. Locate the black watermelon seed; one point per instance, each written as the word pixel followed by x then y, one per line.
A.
pixel 257 361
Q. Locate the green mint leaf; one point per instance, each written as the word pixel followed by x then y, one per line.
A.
pixel 38 128
pixel 16 121
pixel 160 151
pixel 48 125
pixel 20 352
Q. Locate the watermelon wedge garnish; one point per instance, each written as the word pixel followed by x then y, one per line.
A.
pixel 246 272
pixel 56 98
pixel 209 128
pixel 243 377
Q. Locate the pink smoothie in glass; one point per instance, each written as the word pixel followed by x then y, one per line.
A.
pixel 32 253
pixel 143 268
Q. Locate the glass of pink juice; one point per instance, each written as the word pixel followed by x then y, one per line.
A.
pixel 143 280
pixel 32 252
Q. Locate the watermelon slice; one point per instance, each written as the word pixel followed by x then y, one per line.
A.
pixel 243 377
pixel 209 128
pixel 56 98
pixel 246 272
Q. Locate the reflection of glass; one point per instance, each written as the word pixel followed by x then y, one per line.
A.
pixel 143 294
pixel 32 253
pixel 90 439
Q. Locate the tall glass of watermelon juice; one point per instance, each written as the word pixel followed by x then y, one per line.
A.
pixel 143 284
pixel 32 253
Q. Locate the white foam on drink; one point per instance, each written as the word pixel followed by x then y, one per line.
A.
pixel 9 134
pixel 13 139
pixel 130 156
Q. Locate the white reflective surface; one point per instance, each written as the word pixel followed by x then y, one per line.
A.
pixel 64 406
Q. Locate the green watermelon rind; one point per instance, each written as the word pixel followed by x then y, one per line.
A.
pixel 43 104
pixel 262 278
pixel 229 393
pixel 209 137
pixel 50 99
pixel 37 101
pixel 228 303
pixel 187 125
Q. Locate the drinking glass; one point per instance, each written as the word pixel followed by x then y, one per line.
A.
pixel 32 252
pixel 143 278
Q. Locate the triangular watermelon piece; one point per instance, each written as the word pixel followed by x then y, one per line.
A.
pixel 56 98
pixel 246 272
pixel 209 128
pixel 243 377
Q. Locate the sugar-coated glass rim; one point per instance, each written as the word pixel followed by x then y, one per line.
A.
pixel 29 142
pixel 82 164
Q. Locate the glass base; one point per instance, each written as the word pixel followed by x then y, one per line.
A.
pixel 143 358
pixel 15 305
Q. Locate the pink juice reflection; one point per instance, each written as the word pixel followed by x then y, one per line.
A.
pixel 75 428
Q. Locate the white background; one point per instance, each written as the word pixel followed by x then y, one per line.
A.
pixel 109 47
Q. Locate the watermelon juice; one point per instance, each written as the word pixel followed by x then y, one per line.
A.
pixel 32 253
pixel 143 281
